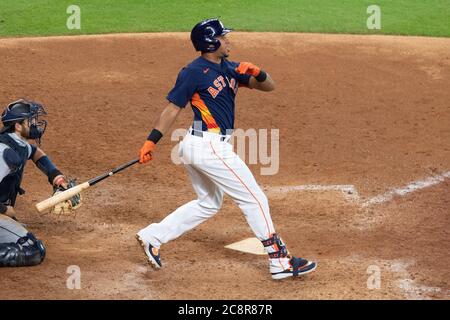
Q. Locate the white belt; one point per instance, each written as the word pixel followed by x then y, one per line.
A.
pixel 210 136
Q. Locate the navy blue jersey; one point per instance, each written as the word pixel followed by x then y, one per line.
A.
pixel 211 88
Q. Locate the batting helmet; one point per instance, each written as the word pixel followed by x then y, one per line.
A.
pixel 204 33
pixel 18 111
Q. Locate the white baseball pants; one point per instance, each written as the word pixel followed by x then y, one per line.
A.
pixel 215 169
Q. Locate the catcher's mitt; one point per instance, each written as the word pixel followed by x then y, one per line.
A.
pixel 68 206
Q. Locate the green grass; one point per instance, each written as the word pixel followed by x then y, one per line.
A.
pixel 46 17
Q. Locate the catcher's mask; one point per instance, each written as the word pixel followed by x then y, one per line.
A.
pixel 19 111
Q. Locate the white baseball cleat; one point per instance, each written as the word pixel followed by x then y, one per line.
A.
pixel 151 252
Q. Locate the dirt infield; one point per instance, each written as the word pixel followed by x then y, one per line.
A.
pixel 369 112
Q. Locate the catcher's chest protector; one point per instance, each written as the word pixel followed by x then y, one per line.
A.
pixel 10 185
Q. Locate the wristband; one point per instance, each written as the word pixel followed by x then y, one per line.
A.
pixel 53 175
pixel 261 77
pixel 45 165
pixel 155 136
pixel 48 168
pixel 3 208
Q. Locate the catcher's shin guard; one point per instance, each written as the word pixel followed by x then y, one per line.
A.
pixel 27 251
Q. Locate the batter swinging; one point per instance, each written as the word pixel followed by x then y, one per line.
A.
pixel 210 83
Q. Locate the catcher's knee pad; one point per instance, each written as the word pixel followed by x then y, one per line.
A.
pixel 27 251
pixel 276 247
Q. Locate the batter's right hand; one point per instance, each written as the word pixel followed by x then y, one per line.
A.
pixel 145 154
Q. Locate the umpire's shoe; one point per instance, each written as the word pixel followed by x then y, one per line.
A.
pixel 151 252
pixel 297 267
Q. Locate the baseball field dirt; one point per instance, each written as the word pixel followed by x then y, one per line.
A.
pixel 364 126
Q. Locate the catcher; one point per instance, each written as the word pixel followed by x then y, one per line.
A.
pixel 18 246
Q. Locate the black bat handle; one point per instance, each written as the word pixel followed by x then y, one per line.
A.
pixel 113 171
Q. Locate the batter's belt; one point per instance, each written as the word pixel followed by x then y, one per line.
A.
pixel 209 135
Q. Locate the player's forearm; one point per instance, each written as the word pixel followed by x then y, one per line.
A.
pixel 167 118
pixel 267 85
pixel 162 126
pixel 43 162
pixel 164 123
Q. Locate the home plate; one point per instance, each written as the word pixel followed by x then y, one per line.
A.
pixel 250 245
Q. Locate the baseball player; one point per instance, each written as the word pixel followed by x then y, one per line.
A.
pixel 210 83
pixel 18 246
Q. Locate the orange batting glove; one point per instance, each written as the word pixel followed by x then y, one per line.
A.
pixel 145 154
pixel 248 68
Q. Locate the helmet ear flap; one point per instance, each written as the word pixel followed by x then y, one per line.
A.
pixel 214 44
pixel 209 33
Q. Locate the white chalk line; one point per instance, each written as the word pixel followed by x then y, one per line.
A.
pixel 403 279
pixel 348 191
pixel 410 287
pixel 411 187
pixel 351 193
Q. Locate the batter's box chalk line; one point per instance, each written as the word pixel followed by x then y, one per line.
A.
pixel 350 192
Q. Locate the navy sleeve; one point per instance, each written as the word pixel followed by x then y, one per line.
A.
pixel 33 151
pixel 243 79
pixel 184 88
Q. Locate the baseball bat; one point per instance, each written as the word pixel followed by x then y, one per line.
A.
pixel 69 193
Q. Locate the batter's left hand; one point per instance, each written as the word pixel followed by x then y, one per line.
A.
pixel 248 68
pixel 145 154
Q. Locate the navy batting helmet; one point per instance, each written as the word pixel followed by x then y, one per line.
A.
pixel 204 33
